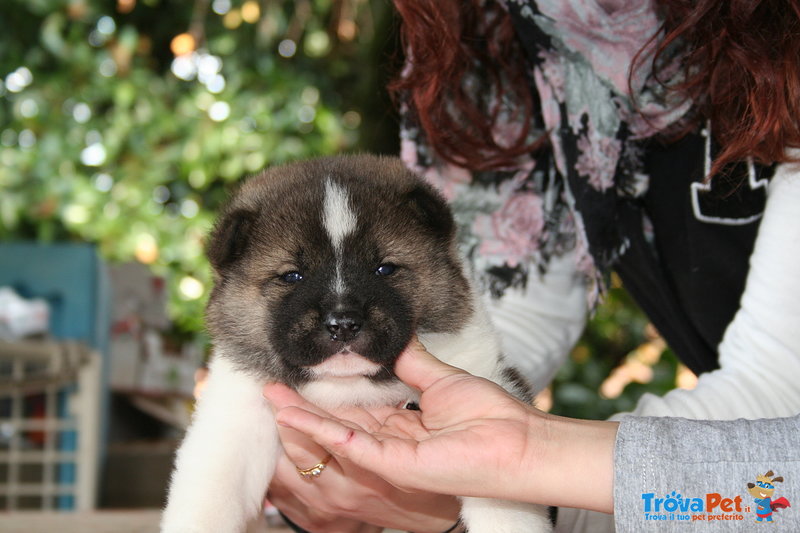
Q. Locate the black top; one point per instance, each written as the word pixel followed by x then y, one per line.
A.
pixel 688 272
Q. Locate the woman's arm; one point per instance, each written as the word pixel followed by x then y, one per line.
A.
pixel 494 447
pixel 501 448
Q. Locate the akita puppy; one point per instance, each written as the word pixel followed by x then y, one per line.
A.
pixel 324 270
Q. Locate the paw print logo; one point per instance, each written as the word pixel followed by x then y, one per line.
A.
pixel 672 501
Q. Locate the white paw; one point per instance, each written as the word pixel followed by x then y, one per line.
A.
pixel 501 516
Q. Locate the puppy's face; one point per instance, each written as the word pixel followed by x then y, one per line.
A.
pixel 326 268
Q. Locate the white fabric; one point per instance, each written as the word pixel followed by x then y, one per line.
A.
pixel 539 326
pixel 759 356
pixel 760 352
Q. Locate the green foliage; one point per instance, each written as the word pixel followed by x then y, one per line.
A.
pixel 106 136
pixel 617 329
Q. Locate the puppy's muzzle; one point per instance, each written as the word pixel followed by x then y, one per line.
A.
pixel 344 325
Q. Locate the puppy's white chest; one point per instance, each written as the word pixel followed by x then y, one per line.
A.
pixel 332 392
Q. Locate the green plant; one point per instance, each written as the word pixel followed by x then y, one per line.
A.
pixel 124 125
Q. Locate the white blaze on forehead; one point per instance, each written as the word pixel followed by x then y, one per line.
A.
pixel 339 221
pixel 338 218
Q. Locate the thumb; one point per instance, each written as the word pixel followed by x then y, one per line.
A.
pixel 417 367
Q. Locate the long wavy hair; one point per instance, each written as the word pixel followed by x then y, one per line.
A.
pixel 448 42
pixel 740 62
pixel 741 68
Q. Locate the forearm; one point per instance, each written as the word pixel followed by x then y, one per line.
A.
pixel 572 465
pixel 497 448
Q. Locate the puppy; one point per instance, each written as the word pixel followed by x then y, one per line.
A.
pixel 324 270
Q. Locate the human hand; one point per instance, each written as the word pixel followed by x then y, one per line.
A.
pixel 471 438
pixel 452 445
pixel 346 498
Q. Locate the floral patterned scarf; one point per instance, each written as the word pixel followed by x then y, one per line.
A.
pixel 565 197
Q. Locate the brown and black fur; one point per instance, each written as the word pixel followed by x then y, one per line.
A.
pixel 273 227
pixel 324 270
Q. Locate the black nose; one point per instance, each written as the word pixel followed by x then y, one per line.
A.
pixel 343 325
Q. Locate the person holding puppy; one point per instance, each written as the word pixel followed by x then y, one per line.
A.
pixel 503 448
pixel 659 140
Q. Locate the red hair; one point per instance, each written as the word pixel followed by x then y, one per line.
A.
pixel 741 68
pixel 450 41
pixel 741 65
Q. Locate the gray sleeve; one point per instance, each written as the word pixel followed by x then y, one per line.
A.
pixel 672 471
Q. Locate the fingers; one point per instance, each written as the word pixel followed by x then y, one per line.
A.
pixel 301 451
pixel 324 430
pixel 351 443
pixel 280 396
pixel 419 369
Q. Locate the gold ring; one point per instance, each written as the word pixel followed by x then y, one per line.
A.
pixel 314 471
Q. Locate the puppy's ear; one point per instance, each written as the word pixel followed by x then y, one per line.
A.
pixel 431 209
pixel 229 238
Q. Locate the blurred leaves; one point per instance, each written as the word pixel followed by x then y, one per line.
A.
pixel 618 359
pixel 124 123
pixel 108 136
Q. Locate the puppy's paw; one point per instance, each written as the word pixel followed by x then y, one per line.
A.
pixel 221 514
pixel 501 516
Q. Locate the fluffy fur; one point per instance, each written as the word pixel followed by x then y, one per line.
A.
pixel 324 270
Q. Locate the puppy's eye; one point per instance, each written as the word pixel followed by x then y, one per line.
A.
pixel 291 277
pixel 386 269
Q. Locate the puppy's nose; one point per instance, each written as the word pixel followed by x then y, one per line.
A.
pixel 343 325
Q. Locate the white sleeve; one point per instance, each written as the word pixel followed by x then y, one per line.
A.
pixel 759 356
pixel 539 325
